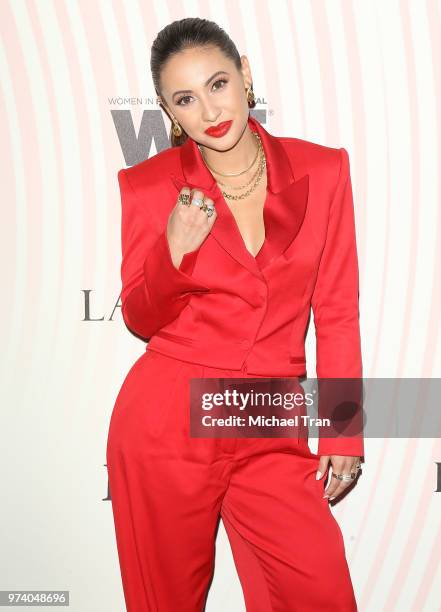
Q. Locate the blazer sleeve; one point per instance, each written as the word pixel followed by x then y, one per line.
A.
pixel 154 291
pixel 335 303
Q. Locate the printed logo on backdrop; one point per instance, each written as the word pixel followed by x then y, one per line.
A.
pixel 153 129
pixel 275 407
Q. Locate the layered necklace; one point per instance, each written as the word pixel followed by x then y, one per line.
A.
pixel 255 179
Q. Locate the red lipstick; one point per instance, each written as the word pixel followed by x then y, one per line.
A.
pixel 220 129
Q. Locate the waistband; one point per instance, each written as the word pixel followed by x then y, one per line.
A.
pixel 202 370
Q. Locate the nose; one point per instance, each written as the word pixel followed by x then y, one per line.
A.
pixel 209 111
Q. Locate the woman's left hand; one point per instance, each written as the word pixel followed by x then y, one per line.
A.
pixel 341 464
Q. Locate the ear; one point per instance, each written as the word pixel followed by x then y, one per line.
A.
pixel 246 71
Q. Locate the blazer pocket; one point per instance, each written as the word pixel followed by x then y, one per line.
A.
pixel 297 359
pixel 174 338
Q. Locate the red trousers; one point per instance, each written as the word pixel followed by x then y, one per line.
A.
pixel 169 491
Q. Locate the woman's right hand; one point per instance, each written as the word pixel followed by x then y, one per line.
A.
pixel 188 226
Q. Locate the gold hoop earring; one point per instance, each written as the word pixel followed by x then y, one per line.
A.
pixel 250 97
pixel 177 130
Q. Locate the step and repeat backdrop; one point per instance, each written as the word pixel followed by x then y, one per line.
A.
pixel 77 105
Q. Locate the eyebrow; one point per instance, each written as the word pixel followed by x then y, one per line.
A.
pixel 186 91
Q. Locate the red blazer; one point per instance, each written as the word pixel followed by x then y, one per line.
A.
pixel 224 308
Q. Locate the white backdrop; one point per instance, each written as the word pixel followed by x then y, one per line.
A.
pixel 363 75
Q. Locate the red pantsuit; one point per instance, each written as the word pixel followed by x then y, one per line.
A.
pixel 168 492
pixel 226 314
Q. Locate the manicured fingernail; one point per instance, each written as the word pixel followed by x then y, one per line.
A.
pixel 332 497
pixel 318 475
pixel 325 496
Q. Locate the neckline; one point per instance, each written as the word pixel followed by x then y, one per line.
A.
pixel 284 207
pixel 265 203
pixel 256 256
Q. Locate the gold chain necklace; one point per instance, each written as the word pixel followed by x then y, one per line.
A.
pixel 233 173
pixel 262 165
pixel 260 171
pixel 235 187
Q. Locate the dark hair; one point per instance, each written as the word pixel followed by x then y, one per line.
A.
pixel 184 34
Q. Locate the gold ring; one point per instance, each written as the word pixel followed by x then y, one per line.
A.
pixel 184 198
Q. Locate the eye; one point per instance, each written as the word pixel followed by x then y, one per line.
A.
pixel 220 81
pixel 179 102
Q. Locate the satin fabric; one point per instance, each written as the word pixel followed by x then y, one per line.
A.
pixel 169 492
pixel 224 308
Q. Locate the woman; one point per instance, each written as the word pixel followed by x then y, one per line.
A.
pixel 228 238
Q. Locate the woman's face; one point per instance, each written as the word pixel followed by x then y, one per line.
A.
pixel 202 88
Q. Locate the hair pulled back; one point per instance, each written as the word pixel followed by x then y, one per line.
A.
pixel 188 33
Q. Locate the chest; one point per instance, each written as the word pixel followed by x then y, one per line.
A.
pixel 248 214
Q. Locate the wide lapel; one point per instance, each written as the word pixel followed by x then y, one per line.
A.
pixel 284 209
